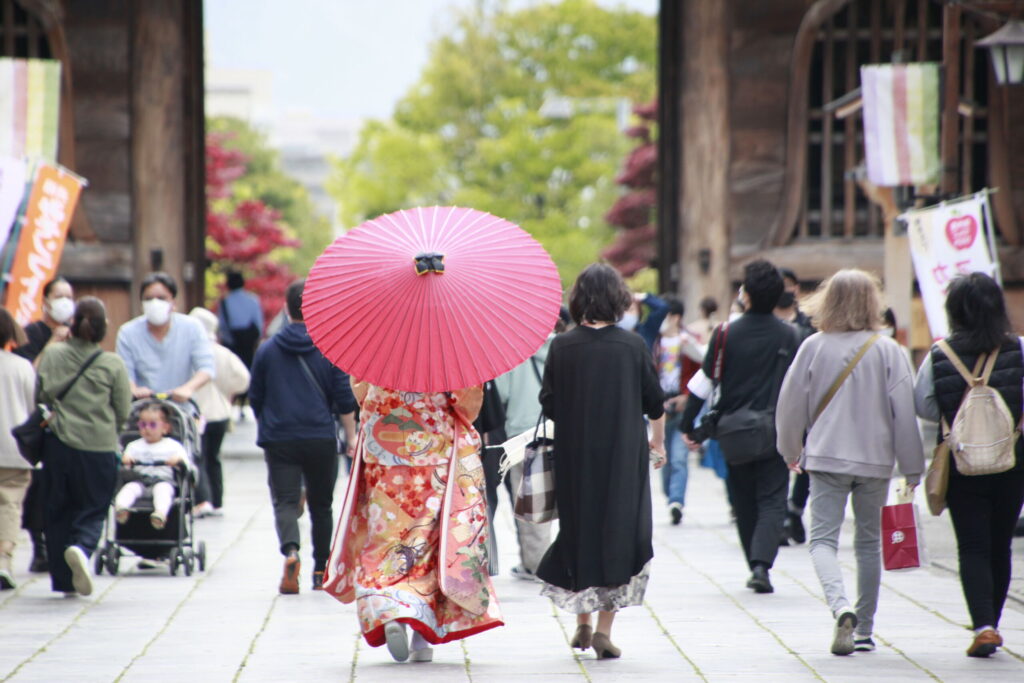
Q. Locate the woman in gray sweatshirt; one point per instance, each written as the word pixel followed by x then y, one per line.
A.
pixel 852 441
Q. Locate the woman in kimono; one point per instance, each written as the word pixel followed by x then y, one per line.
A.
pixel 409 549
pixel 599 381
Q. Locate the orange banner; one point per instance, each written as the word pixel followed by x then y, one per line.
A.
pixel 44 231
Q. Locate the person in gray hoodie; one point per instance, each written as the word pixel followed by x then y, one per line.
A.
pixel 852 441
pixel 519 389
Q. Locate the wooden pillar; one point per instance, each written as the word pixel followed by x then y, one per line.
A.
pixel 158 142
pixel 704 236
pixel 195 156
pixel 670 64
pixel 949 148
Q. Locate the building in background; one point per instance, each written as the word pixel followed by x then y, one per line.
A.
pixel 131 123
pixel 761 138
pixel 305 142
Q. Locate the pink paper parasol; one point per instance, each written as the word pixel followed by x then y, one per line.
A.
pixel 431 299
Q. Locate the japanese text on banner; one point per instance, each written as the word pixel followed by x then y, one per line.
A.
pixel 47 217
pixel 946 241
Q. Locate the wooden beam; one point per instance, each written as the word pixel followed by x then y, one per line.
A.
pixel 949 150
pixel 97 262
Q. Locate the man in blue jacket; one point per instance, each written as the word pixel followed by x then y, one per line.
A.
pixel 296 394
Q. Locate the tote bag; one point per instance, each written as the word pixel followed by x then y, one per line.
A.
pixel 535 498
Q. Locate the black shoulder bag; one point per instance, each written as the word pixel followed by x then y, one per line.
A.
pixel 29 434
pixel 746 434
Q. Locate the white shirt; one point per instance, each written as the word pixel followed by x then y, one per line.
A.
pixel 17 389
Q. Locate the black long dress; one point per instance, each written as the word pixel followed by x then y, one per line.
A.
pixel 598 384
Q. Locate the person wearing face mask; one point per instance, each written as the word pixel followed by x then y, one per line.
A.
pixel 165 351
pixel 58 307
pixel 788 311
pixel 648 328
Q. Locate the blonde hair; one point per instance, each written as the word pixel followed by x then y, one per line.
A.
pixel 849 301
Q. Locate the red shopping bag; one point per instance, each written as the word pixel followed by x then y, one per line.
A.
pixel 902 540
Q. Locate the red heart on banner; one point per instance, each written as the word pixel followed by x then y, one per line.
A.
pixel 962 232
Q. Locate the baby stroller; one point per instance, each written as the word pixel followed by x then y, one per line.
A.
pixel 175 542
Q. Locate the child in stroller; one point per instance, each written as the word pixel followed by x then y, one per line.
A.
pixel 150 463
pixel 151 516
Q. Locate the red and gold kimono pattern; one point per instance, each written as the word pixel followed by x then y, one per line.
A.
pixel 410 541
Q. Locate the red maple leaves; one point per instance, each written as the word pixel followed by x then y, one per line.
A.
pixel 243 235
pixel 634 245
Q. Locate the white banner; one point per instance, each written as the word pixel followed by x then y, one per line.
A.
pixel 13 174
pixel 945 241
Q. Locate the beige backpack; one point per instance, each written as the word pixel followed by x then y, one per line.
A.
pixel 983 436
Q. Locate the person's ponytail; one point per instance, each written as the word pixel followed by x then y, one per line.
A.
pixel 90 320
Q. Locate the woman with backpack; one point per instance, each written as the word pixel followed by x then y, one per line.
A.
pixel 850 390
pixel 984 507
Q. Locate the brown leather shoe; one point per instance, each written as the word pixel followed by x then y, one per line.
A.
pixel 584 634
pixel 985 643
pixel 603 647
pixel 290 578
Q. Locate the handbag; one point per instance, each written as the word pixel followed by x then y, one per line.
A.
pixel 902 536
pixel 535 498
pixel 936 479
pixel 29 434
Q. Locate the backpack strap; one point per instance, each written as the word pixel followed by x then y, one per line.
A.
pixel 990 365
pixel 842 378
pixel 972 378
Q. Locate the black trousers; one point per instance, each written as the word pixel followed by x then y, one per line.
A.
pixel 211 476
pixel 79 487
pixel 33 508
pixel 289 464
pixel 759 493
pixel 984 510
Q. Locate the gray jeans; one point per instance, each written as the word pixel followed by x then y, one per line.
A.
pixel 828 504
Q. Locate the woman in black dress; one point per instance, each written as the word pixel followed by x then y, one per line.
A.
pixel 599 381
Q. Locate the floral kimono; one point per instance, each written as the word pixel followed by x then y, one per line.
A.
pixel 410 542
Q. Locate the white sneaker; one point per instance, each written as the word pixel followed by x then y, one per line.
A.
pixel 81 576
pixel 202 510
pixel 842 636
pixel 398 642
pixel 425 654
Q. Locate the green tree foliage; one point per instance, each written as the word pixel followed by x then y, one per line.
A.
pixel 265 181
pixel 515 113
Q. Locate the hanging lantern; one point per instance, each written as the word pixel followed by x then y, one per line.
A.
pixel 1006 46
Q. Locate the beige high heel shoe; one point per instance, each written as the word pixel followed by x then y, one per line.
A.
pixel 603 647
pixel 581 641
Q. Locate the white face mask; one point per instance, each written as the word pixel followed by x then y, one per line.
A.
pixel 61 309
pixel 629 321
pixel 157 311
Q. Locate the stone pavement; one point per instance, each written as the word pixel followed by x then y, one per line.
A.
pixel 699 623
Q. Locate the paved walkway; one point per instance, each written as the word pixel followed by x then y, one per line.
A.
pixel 699 622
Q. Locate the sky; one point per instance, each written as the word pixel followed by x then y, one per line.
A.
pixel 344 59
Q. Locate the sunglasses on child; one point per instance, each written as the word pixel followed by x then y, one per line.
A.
pixel 150 424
